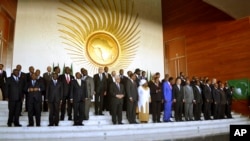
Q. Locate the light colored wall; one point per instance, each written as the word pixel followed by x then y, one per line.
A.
pixel 37 40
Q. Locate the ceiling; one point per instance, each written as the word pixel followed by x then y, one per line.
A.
pixel 235 8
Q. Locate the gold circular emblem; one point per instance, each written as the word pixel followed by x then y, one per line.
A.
pixel 102 48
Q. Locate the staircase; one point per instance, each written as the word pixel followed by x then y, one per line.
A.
pixel 101 128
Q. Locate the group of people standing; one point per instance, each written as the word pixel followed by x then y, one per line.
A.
pixel 139 97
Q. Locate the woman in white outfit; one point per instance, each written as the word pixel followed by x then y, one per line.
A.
pixel 143 102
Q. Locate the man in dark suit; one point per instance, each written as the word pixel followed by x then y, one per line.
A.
pixel 100 82
pixel 197 100
pixel 28 79
pixel 66 79
pixel 54 95
pixel 207 97
pixel 3 77
pixel 14 93
pixel 123 81
pixel 41 80
pixel 178 99
pixel 106 99
pixel 78 95
pixel 229 94
pixel 117 93
pixel 34 90
pixel 89 81
pixel 21 76
pixel 132 98
pixel 47 76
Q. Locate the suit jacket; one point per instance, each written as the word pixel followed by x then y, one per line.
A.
pixel 47 78
pixel 216 96
pixel 90 86
pixel 42 80
pixel 223 98
pixel 197 94
pixel 78 93
pixel 66 86
pixel 229 95
pixel 14 89
pixel 3 78
pixel 37 95
pixel 188 94
pixel 167 92
pixel 100 85
pixel 54 93
pixel 131 90
pixel 178 94
pixel 155 96
pixel 114 90
pixel 207 93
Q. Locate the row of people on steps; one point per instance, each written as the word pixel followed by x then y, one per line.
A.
pixel 115 93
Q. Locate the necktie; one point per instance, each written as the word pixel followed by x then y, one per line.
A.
pixel 101 76
pixel 67 78
pixel 118 86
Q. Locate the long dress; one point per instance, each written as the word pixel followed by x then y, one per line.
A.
pixel 143 103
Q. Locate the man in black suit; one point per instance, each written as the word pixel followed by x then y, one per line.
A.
pixel 117 93
pixel 42 81
pixel 34 90
pixel 106 99
pixel 28 79
pixel 78 95
pixel 3 77
pixel 123 81
pixel 89 81
pixel 100 82
pixel 47 76
pixel 207 97
pixel 21 76
pixel 14 93
pixel 54 95
pixel 197 100
pixel 132 98
pixel 178 99
pixel 229 94
pixel 66 80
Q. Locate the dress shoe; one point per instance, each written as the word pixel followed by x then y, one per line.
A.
pixel 9 124
pixel 38 125
pixel 50 125
pixel 80 124
pixel 18 125
pixel 101 114
pixel 120 123
pixel 135 122
pixel 30 125
pixel 56 124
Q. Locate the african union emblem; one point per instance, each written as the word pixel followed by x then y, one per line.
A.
pixel 99 32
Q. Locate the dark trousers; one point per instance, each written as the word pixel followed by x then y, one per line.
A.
pixel 54 112
pixel 131 111
pixel 34 108
pixel 178 110
pixel 116 109
pixel 207 110
pixel 156 110
pixel 99 103
pixel 228 110
pixel 69 108
pixel 78 112
pixel 106 102
pixel 14 112
pixel 216 111
pixel 197 111
pixel 222 111
pixel 86 109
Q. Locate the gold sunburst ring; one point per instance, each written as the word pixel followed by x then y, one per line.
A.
pixel 102 48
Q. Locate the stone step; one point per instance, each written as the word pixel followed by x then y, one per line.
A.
pixel 109 130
